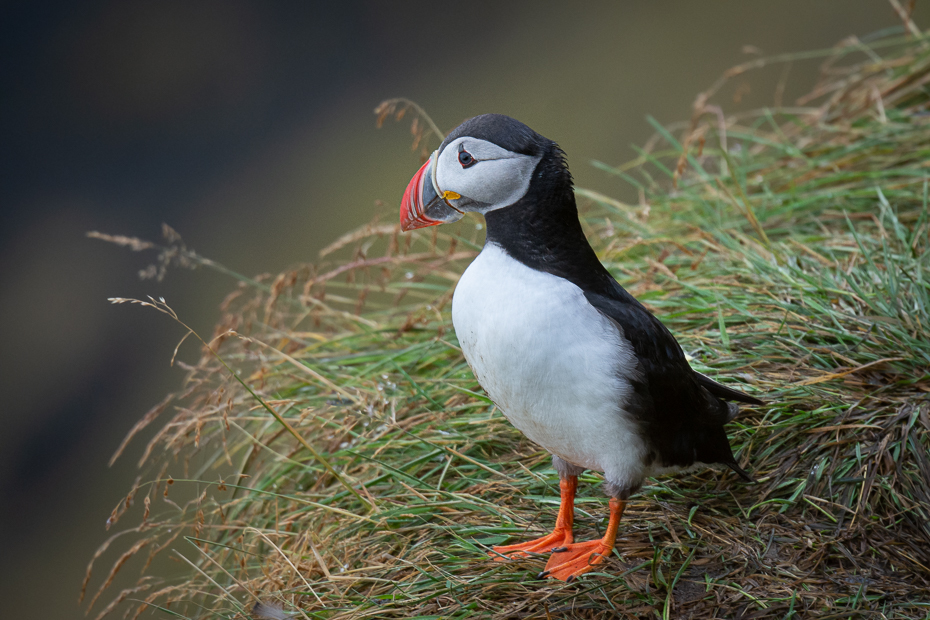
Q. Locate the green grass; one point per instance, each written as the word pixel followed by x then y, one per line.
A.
pixel 793 265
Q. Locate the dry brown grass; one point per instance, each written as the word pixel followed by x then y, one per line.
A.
pixel 787 250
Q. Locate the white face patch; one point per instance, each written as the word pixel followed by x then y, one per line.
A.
pixel 496 178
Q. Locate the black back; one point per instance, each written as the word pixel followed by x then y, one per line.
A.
pixel 680 418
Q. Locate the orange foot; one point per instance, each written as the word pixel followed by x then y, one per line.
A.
pixel 560 536
pixel 575 560
pixel 579 558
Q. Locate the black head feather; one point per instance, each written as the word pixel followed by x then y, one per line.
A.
pixel 505 132
pixel 681 421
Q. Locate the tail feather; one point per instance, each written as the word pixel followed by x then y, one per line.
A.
pixel 742 473
pixel 732 411
pixel 724 392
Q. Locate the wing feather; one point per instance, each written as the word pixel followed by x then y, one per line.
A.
pixel 683 412
pixel 724 392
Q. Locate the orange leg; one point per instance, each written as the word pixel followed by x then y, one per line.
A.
pixel 560 536
pixel 578 558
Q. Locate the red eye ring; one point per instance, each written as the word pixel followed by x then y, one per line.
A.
pixel 465 158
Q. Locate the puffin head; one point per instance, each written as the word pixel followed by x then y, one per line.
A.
pixel 485 164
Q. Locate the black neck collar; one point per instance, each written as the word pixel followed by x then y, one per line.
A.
pixel 542 230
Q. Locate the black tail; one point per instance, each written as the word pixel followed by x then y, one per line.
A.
pixel 712 446
pixel 722 391
pixel 742 473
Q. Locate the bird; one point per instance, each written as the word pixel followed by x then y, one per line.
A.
pixel 570 358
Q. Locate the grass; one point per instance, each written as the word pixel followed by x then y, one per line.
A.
pixel 332 456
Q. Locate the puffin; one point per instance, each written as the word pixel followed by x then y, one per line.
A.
pixel 570 358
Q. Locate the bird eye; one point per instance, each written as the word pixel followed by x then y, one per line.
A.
pixel 465 158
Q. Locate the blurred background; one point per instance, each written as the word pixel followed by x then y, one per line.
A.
pixel 248 127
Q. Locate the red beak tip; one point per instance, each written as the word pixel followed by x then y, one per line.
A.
pixel 411 206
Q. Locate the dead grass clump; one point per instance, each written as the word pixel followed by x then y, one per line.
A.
pixel 331 455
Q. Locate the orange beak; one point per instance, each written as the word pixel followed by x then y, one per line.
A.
pixel 423 205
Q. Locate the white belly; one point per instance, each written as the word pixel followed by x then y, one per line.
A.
pixel 554 365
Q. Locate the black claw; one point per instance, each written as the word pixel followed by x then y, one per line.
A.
pixel 559 549
pixel 570 579
pixel 543 575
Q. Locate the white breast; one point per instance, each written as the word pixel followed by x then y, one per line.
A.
pixel 556 367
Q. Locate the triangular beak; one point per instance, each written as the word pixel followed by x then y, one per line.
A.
pixel 422 205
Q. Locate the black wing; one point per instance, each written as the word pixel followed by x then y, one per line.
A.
pixel 681 415
pixel 722 391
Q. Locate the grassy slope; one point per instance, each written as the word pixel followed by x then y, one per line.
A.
pixel 791 263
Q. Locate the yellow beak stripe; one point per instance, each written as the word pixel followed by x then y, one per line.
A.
pixel 450 195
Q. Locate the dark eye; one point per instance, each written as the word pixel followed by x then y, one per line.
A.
pixel 466 159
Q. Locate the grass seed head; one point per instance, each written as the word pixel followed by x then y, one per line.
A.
pixel 366 474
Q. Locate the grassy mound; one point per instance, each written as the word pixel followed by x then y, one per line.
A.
pixel 336 459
